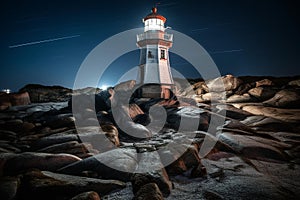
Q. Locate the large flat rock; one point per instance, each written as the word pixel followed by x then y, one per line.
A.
pixel 286 115
pixel 15 163
pixel 116 164
pixel 255 147
pixel 48 185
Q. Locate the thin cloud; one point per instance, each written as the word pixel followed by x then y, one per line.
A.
pixel 42 41
pixel 216 25
pixel 226 51
pixel 199 29
pixel 167 4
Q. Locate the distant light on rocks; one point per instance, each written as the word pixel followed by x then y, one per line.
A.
pixel 104 87
pixel 7 91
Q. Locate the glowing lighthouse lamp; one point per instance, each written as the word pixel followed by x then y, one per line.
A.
pixel 154 69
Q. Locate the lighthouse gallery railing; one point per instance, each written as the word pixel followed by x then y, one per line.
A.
pixel 151 35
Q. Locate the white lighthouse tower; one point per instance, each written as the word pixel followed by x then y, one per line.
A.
pixel 154 69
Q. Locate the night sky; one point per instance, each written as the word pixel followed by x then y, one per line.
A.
pixel 244 37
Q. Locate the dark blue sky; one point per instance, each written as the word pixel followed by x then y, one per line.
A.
pixel 244 37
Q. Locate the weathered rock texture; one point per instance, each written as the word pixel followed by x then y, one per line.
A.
pixel 226 138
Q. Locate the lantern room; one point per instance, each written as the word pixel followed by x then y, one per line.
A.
pixel 154 21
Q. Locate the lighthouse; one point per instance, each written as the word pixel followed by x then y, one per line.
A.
pixel 154 68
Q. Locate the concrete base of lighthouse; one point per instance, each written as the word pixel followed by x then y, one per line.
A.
pixel 156 91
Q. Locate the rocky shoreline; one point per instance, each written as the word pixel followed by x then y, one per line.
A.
pixel 45 155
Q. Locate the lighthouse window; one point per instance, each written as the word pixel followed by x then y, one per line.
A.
pixel 154 24
pixel 150 55
pixel 162 54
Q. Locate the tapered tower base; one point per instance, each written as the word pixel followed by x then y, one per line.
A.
pixel 156 91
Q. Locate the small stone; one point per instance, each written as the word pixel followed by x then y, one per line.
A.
pixel 112 134
pixel 177 167
pixel 264 82
pixel 199 171
pixel 263 93
pixel 244 88
pixel 191 157
pixel 27 127
pixel 9 187
pixel 149 191
pixel 211 195
pixel 87 196
pixel 215 172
